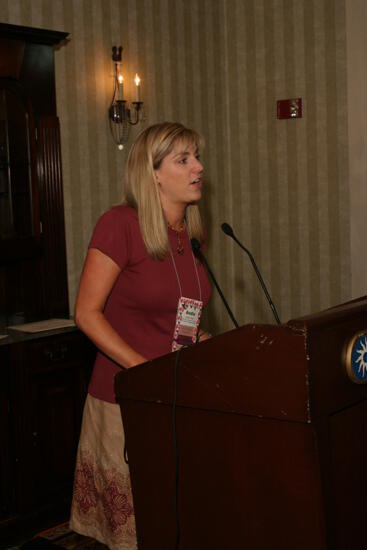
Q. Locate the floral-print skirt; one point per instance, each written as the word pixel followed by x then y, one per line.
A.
pixel 102 505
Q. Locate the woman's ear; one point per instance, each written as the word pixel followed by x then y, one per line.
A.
pixel 156 177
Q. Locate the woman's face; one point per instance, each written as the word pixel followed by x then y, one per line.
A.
pixel 179 177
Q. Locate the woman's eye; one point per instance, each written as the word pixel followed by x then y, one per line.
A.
pixel 183 161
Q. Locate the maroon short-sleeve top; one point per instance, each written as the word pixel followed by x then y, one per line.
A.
pixel 142 305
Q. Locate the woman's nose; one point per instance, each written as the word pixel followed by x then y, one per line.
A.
pixel 198 166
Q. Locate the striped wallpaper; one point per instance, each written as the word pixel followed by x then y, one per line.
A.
pixel 218 66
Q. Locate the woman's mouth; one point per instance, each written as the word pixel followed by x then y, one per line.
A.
pixel 197 182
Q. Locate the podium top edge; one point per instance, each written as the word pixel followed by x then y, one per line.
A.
pixel 355 307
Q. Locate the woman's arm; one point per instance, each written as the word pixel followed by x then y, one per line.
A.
pixel 98 278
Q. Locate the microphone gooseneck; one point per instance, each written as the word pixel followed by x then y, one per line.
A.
pixel 195 245
pixel 227 229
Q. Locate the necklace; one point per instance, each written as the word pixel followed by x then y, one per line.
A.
pixel 180 248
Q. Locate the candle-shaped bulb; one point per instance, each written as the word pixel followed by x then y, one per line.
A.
pixel 137 83
pixel 120 79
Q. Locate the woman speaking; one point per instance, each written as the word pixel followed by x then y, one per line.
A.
pixel 139 286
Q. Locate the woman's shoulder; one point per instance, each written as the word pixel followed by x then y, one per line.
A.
pixel 121 212
pixel 116 234
pixel 118 217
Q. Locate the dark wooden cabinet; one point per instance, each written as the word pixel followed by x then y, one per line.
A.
pixel 47 388
pixel 44 377
pixel 44 385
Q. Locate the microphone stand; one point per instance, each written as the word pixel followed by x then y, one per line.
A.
pixel 227 229
pixel 195 245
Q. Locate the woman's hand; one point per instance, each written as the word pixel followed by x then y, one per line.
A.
pixel 204 335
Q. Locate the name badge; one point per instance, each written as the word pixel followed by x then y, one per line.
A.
pixel 187 322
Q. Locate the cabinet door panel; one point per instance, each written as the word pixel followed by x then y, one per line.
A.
pixel 19 184
pixel 53 216
pixel 6 469
pixel 49 378
pixel 55 428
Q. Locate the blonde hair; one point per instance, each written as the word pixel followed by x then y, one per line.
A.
pixel 141 189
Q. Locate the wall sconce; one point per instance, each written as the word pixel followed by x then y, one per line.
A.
pixel 122 116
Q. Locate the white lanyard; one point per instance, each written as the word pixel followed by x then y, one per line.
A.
pixel 178 278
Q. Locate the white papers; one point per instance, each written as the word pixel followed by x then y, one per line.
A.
pixel 41 326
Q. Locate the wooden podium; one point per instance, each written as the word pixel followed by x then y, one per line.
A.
pixel 272 439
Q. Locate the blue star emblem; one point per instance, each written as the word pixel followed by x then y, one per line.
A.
pixel 356 358
pixel 359 358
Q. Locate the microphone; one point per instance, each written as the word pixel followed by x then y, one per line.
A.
pixel 227 229
pixel 195 245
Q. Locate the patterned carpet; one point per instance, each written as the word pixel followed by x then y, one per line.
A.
pixel 61 537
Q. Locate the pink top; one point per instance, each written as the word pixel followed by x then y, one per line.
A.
pixel 142 305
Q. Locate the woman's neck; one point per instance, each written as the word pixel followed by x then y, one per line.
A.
pixel 176 219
